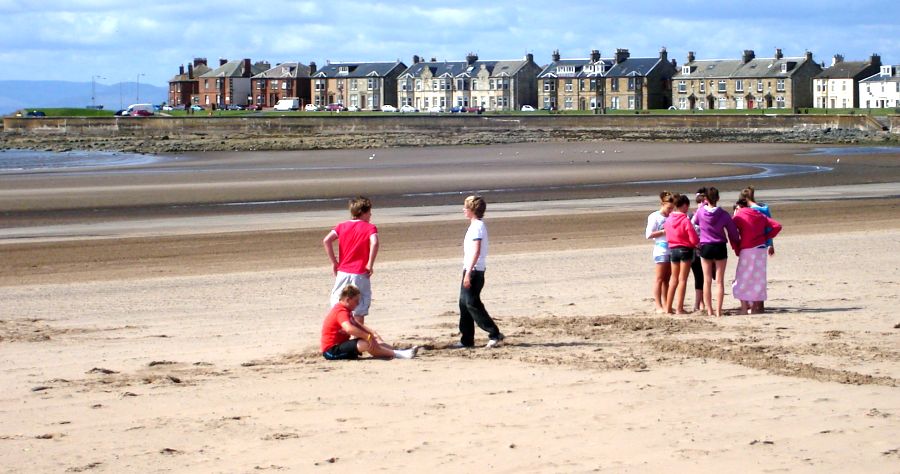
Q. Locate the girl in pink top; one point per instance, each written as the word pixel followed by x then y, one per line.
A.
pixel 750 277
pixel 683 240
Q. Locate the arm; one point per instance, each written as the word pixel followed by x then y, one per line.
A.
pixel 328 242
pixel 651 233
pixel 470 265
pixel 693 238
pixel 776 228
pixel 357 331
pixel 373 252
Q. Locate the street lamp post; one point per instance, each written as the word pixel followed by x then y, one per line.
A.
pixel 94 90
pixel 138 95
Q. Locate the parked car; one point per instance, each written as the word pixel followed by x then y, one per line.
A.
pixel 474 110
pixel 527 108
pixel 254 107
pixel 353 108
pixel 197 107
pixel 140 113
pixel 335 107
pixel 388 108
pixel 121 112
pixel 168 108
pixel 408 109
pixel 311 108
pixel 436 109
pixel 35 113
pixel 234 107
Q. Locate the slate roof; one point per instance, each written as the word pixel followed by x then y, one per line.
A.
pixel 200 70
pixel 894 77
pixel 844 70
pixel 633 67
pixel 580 65
pixel 728 68
pixel 235 69
pixel 358 70
pixel 462 68
pixel 291 70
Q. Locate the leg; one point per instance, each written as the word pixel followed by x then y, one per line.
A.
pixel 381 351
pixel 684 271
pixel 720 285
pixel 708 265
pixel 697 271
pixel 471 298
pixel 674 270
pixel 660 285
pixel 466 323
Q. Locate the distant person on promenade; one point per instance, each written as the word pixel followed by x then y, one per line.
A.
pixel 750 277
pixel 716 230
pixel 357 248
pixel 475 252
pixel 683 241
pixel 655 231
pixel 339 326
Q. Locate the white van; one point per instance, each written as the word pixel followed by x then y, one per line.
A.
pixel 135 107
pixel 292 103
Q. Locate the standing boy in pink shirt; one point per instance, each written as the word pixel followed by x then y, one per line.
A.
pixel 357 249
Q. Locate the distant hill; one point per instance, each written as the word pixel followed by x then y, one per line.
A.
pixel 15 95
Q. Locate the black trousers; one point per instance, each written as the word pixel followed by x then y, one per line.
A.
pixel 472 311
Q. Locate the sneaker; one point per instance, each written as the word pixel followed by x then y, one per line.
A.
pixel 458 345
pixel 493 343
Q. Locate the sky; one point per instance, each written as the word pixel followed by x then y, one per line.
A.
pixel 116 41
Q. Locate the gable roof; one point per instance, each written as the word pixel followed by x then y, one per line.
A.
pixel 737 68
pixel 236 69
pixel 848 70
pixel 582 68
pixel 358 70
pixel 893 77
pixel 200 70
pixel 634 67
pixel 285 70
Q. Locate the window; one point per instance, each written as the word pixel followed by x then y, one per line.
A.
pixel 614 86
pixel 779 102
pixel 547 103
pixel 722 103
pixel 491 84
pixel 685 69
pixel 474 84
pixel 568 103
pixel 569 87
pixel 759 85
pixel 460 84
pixel 434 84
pixel 739 103
pixel 320 85
pixel 206 85
pixel 631 83
pixel 723 86
pixel 784 67
pixel 373 83
pixel 582 84
pixel 614 103
pixel 682 87
pixel 702 87
pixel 779 86
pixel 631 102
pixel 418 84
pixel 284 85
pixel 739 85
pixel 354 100
pixel 354 85
pixel 682 103
pixel 549 85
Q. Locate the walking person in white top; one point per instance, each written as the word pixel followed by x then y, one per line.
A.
pixel 475 250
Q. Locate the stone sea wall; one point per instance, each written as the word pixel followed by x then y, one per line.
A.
pixel 269 132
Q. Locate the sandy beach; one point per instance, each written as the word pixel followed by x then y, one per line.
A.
pixel 166 318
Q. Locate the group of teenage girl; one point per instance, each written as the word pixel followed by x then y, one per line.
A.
pixel 697 242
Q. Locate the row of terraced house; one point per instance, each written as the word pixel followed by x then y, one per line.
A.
pixel 591 83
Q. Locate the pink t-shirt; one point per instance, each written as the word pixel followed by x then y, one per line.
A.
pixel 353 245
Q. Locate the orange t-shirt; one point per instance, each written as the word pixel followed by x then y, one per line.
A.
pixel 332 332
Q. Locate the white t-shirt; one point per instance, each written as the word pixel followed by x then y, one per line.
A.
pixel 655 222
pixel 477 231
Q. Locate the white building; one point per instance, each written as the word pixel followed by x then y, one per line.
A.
pixel 882 90
pixel 837 86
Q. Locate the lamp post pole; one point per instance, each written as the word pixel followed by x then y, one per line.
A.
pixel 138 97
pixel 94 90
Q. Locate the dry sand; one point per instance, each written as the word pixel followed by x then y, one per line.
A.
pixel 151 345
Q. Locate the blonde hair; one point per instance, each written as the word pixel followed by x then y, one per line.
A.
pixel 476 204
pixel 349 291
pixel 359 206
pixel 665 197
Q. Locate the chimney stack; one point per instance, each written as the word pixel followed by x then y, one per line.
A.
pixel 809 55
pixel 595 55
pixel 181 70
pixel 837 58
pixel 471 58
pixel 247 71
pixel 555 55
pixel 749 55
pixel 778 53
pixel 875 60
pixel 663 54
pixel 190 71
pixel 222 61
pixel 416 59
pixel 529 57
pixel 621 55
pixel 690 57
pixel 312 68
pixel 199 61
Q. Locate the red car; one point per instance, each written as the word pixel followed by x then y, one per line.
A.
pixel 335 108
pixel 141 113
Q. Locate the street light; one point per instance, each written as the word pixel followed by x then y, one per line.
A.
pixel 94 90
pixel 138 98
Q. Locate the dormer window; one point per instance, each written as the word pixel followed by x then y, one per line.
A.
pixel 344 70
pixel 885 70
pixel 784 67
pixel 566 70
pixel 685 69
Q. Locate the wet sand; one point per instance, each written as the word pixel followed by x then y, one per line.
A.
pixel 141 337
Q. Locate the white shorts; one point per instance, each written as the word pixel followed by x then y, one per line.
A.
pixel 359 281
